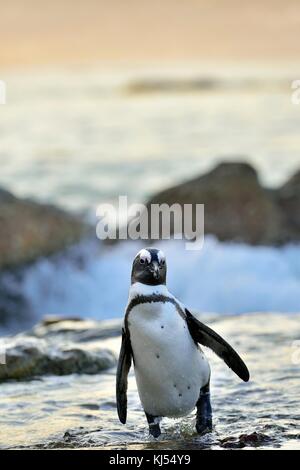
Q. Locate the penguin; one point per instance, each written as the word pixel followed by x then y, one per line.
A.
pixel 162 338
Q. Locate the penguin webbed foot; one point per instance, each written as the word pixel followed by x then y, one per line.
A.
pixel 204 412
pixel 204 427
pixel 154 428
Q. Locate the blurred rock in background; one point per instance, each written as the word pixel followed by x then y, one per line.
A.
pixel 238 207
pixel 29 231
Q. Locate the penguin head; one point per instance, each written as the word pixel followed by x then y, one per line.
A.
pixel 149 267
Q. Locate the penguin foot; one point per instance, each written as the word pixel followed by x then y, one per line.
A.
pixel 204 427
pixel 204 412
pixel 154 428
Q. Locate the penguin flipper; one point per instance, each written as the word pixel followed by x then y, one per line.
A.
pixel 207 337
pixel 124 365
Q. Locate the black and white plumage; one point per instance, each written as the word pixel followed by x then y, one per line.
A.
pixel 163 339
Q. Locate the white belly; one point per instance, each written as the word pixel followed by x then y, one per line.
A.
pixel 169 368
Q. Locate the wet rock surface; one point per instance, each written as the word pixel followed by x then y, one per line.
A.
pixel 254 439
pixel 75 329
pixel 79 410
pixel 55 348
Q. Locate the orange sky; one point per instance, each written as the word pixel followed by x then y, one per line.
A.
pixel 80 31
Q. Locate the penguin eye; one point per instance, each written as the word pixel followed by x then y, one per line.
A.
pixel 163 262
pixel 144 257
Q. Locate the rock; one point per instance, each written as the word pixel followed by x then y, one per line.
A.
pixel 30 357
pixel 52 319
pixel 288 199
pixel 6 196
pixel 76 330
pixel 172 85
pixel 232 443
pixel 30 230
pixel 254 439
pixel 237 207
pixel 55 347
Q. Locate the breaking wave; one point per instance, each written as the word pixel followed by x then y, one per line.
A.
pixel 223 278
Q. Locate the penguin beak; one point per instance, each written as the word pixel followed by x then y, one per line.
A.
pixel 155 269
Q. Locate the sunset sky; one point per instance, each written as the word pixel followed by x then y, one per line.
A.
pixel 89 31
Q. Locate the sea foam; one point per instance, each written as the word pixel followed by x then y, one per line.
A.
pixel 224 278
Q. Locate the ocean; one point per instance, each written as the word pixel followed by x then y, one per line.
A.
pixel 80 137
